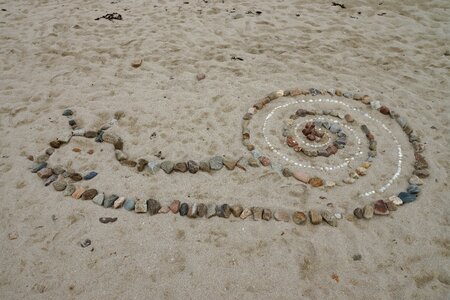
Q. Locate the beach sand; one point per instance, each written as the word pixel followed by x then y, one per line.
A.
pixel 54 55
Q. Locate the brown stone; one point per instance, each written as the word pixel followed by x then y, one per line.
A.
pixel 162 210
pixel 141 163
pixel 303 177
pixel 281 215
pixel 76 149
pixel 180 167
pixel 315 217
pixel 136 63
pixel 90 151
pixel 30 157
pixel 267 214
pixel 316 182
pixel 349 118
pixel 299 217
pixel 295 92
pixel 332 149
pixel 202 210
pixel 338 93
pixel 247 212
pixel 291 142
pixel 236 210
pixel 257 213
pixel 384 110
pixel 265 161
pixel 357 97
pixel 45 173
pixel 78 192
pixel 391 205
pixel 175 206
pixel 380 208
pixel 89 194
pixel 76 176
pixel 358 212
pixel 421 173
pixel 201 76
pixel 55 144
pixel 90 134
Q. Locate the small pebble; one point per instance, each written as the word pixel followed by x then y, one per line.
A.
pixel 106 220
pixel 421 173
pixel 45 173
pixel 216 163
pixel 59 185
pixel 85 243
pixel 90 175
pixel 136 63
pixel 90 134
pixel 357 257
pixel 201 76
pixel 316 182
pixel 49 151
pixel 257 213
pixel 396 200
pixel 67 112
pixel 202 210
pixel 329 218
pixel 368 211
pixel 303 177
pixel 75 176
pixel 380 208
pixel 204 166
pixel 229 163
pixel 415 180
pixel 407 197
pixel 55 144
pixel 51 179
pixel 264 160
pixel 164 210
pixel 70 189
pixel 315 217
pixel 184 208
pixel 193 166
pixel 375 105
pixel 120 155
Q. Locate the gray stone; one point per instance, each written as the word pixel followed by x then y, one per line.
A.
pixel 42 158
pixel 257 213
pixel 167 166
pixel 204 166
pixel 216 163
pixel 59 185
pixel 368 212
pixel 140 206
pixel 193 167
pixel 335 128
pixel 58 170
pixel 129 204
pixel 253 162
pixel 329 217
pixel 375 105
pixel 256 154
pixel 51 179
pixel 38 166
pixel 211 210
pixel 99 198
pixel 413 189
pixel 78 132
pixel 70 189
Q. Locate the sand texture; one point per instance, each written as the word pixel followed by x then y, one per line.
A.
pixel 54 55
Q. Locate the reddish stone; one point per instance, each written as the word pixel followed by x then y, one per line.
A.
pixel 311 137
pixel 297 148
pixel 175 206
pixel 370 136
pixel 380 208
pixel 265 161
pixel 384 110
pixel 332 149
pixel 291 142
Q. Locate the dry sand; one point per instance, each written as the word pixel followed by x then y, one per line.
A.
pixel 54 55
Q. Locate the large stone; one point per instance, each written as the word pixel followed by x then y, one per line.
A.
pixel 111 138
pixel 153 206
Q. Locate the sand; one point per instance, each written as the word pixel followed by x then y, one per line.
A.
pixel 55 55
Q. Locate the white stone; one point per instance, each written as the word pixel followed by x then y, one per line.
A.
pixel 396 200
pixel 119 202
pixel 415 180
pixel 78 132
pixel 375 104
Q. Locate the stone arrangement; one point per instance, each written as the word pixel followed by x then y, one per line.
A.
pixel 321 137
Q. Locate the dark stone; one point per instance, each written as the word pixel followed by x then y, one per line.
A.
pixel 223 211
pixel 153 206
pixel 75 176
pixel 184 208
pixel 380 208
pixel 358 212
pixel 314 92
pixel 99 137
pixel 67 112
pixel 236 210
pixel 109 200
pixel 202 210
pixel 407 197
pixel 90 175
pixel 365 129
pixel 89 194
pixel 90 134
pixel 55 144
pixel 72 122
pixel 413 189
pixel 267 214
pixel 141 163
pixel 193 166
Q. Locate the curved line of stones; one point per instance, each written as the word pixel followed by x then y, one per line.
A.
pixel 63 180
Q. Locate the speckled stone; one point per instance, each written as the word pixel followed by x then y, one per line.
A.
pixel 216 163
pixel 223 211
pixel 140 206
pixel 358 212
pixel 59 185
pixel 141 164
pixel 315 217
pixel 204 166
pixel 329 218
pixel 70 189
pixel 193 166
pixel 421 173
pixel 202 210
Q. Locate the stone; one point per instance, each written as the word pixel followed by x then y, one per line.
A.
pixel 229 163
pixel 136 63
pixel 290 141
pixel 247 212
pixel 316 182
pixel 109 200
pixel 128 163
pixel 184 208
pixel 384 110
pixel 407 197
pixel 70 189
pixel 72 122
pixel 375 105
pixel 335 128
pixel 223 211
pixel 192 211
pixel 58 170
pixel 418 147
pixel 338 92
pixel 281 215
pixel 256 154
pixel 357 257
pixel 264 160
pixel 415 180
pixel 300 176
pixel 216 163
pixel 315 217
pixel 368 211
pixel 89 194
pixel 99 198
pixel 140 206
pixel 110 138
pixel 153 167
pixel 358 212
pixel 55 144
pixel 286 172
pixel 380 208
pixel 67 112
pixel 51 179
pixel 180 167
pixel 361 171
pixel 78 192
pixel 253 162
pixel 365 129
pixel 164 210
pixel 141 164
pixel 421 173
pixel 202 210
pixel 99 137
pixel 45 173
pixel 59 185
pixel 357 97
pixel 129 204
pixel 175 206
pixel 42 158
pixel 78 132
pixel 420 162
pixel 75 176
pixel 90 151
pixel 267 214
pixel 193 166
pixel 329 218
pixel 211 210
pixel 314 92
pixel 167 166
pixel 413 189
pixel 391 206
pixel 396 200
pixel 204 166
pixel 373 145
pixel 347 95
pixel 120 155
pixel 77 150
pixel 90 175
pixel 257 213
pixel 236 210
pixel 119 202
pixel 90 134
pixel 153 206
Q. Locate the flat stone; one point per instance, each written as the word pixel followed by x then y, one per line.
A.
pixel 257 213
pixel 129 204
pixel 281 215
pixel 216 163
pixel 315 217
pixel 247 212
pixel 229 163
pixel 90 175
pixel 358 212
pixel 78 192
pixel 413 189
pixel 59 185
pixel 380 208
pixel 99 199
pixel 109 200
pixel 421 173
pixel 51 179
pixel 211 210
pixel 236 210
pixel 140 206
pixel 202 210
pixel 167 166
pixel 193 166
pixel 45 173
pixel 175 206
pixel 329 218
pixel 70 189
pixel 89 194
pixel 368 211
pixel 407 197
pixel 153 167
pixel 267 214
pixel 303 177
pixel 120 155
pixel 38 166
pixel 253 162
pixel 119 202
pixel 204 166
pixel 184 209
pixel 153 206
pixel 180 167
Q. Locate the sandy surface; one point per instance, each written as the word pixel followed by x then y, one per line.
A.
pixel 54 55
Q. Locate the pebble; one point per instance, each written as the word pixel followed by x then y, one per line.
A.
pixel 140 206
pixel 55 144
pixel 421 173
pixel 30 157
pixel 136 63
pixel 204 166
pixel 38 166
pixel 314 92
pixel 90 134
pixel 257 213
pixel 129 204
pixel 109 200
pixel 78 192
pixel 59 185
pixel 72 122
pixel 78 132
pixel 361 171
pixel 286 172
pixel 418 147
pixel 67 112
pixel 407 197
pixel 216 163
pixel 253 162
pixel 236 210
pixel 90 151
pixel 70 189
pixel 180 167
pixel 42 158
pixel 247 212
pixel 141 164
pixel 358 212
pixel 202 210
pixel 256 154
pixel 120 155
pixel 267 214
pixel 229 163
pixel 368 211
pixel 153 167
pixel 315 217
pixel 264 160
pixel 303 177
pixel 85 243
pixel 128 163
pixel 184 208
pixel 119 202
pixel 223 211
pixel 391 206
pixel 396 200
pixel 338 92
pixel 420 162
pixel 335 128
pixel 375 105
pixel 329 217
pixel 167 166
pixel 75 176
pixel 175 206
pixel 415 180
pixel 347 95
pixel 192 211
pixel 357 97
pixel 51 179
pixel 357 257
pixel 365 129
pixel 58 169
pixel 316 182
pixel 76 150
pixel 380 208
pixel 153 206
pixel 384 110
pixel 281 215
pixel 330 184
pixel 90 175
pixel 413 189
pixel 193 166
pixel 45 173
pixel 211 210
pixel 99 199
pixel 401 121
pixel 99 137
pixel 110 138
pixel 89 194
